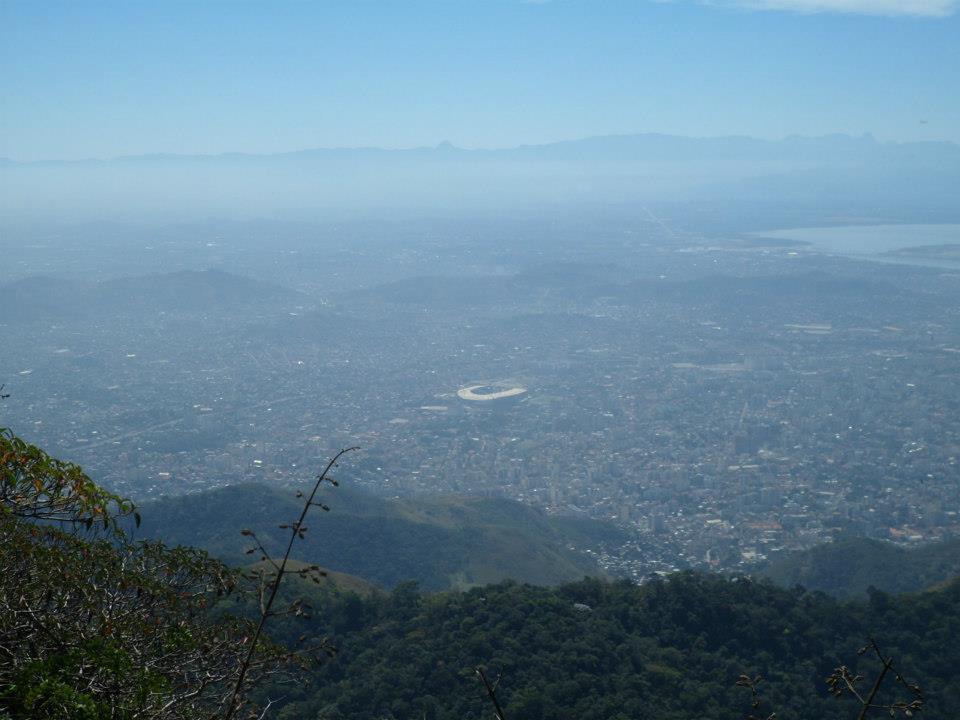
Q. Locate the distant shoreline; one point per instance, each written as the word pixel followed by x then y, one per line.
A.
pixel 930 245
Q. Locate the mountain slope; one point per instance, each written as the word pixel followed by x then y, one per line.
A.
pixel 848 567
pixel 439 542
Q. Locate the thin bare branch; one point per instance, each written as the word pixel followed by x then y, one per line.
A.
pixel 233 704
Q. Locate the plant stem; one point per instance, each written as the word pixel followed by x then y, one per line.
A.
pixel 232 706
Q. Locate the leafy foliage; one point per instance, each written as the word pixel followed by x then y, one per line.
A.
pixel 36 486
pixel 93 626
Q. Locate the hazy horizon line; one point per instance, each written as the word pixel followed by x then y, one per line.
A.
pixel 445 145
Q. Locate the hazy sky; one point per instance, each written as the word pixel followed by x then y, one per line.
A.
pixel 100 79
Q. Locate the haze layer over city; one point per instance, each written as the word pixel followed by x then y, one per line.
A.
pixel 689 269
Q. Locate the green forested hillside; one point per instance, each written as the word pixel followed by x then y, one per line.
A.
pixel 671 650
pixel 848 567
pixel 440 542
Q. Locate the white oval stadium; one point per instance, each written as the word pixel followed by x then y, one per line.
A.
pixel 486 393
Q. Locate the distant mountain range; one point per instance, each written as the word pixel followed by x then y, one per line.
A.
pixel 441 542
pixel 844 172
pixel 643 147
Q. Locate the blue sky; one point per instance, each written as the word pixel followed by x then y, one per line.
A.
pixel 101 79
